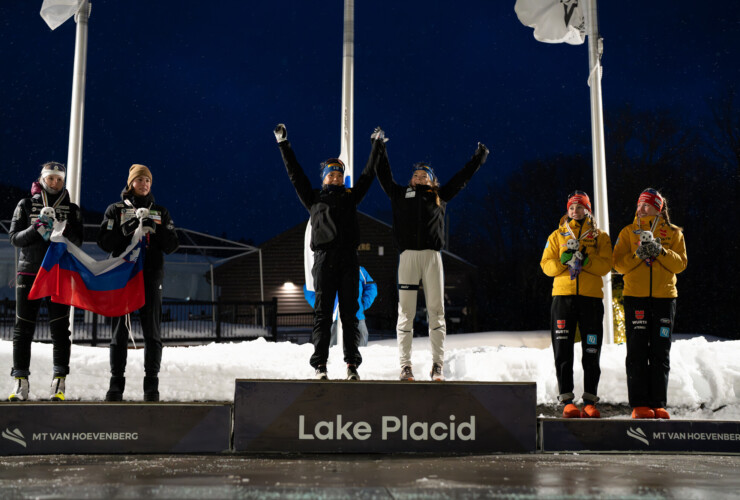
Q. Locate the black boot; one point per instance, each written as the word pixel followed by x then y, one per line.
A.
pixel 151 389
pixel 115 392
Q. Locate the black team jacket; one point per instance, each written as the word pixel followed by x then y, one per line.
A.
pixel 333 211
pixel 162 241
pixel 419 213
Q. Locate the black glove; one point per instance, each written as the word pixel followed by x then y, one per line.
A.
pixel 482 151
pixel 281 133
pixel 148 225
pixel 130 226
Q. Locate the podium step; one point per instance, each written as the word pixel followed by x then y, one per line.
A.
pixel 628 435
pixel 384 417
pixel 60 428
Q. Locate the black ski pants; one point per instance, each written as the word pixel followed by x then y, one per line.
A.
pixel 335 274
pixel 26 313
pixel 586 313
pixel 649 324
pixel 150 317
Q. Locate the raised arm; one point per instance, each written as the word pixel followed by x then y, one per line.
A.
pixel 377 153
pixel 383 169
pixel 296 174
pixel 460 179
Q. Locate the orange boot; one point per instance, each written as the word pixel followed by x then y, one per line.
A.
pixel 590 411
pixel 661 413
pixel 571 411
pixel 642 412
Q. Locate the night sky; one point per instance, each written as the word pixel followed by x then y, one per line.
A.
pixel 193 91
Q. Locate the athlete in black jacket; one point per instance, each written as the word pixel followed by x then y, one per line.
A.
pixel 418 228
pixel 30 232
pixel 114 236
pixel 335 235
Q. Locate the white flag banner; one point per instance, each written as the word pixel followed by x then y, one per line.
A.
pixel 56 12
pixel 554 21
pixel 308 258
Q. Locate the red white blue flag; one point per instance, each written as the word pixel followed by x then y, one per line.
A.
pixel 111 287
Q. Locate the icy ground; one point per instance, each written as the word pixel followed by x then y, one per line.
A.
pixel 704 381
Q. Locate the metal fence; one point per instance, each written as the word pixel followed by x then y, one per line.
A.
pixel 183 322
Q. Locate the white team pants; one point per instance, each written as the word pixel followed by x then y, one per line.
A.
pixel 425 266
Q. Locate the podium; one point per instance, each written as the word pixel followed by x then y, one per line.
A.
pixel 32 428
pixel 384 417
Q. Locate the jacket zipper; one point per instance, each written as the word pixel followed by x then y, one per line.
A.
pixel 578 276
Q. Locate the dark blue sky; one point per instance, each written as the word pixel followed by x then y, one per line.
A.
pixel 194 93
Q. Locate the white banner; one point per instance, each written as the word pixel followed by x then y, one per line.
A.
pixel 554 21
pixel 308 258
pixel 56 12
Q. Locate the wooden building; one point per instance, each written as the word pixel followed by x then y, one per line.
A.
pixel 283 277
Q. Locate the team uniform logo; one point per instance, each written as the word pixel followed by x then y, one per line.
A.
pixel 591 339
pixel 640 314
pixel 665 332
pixel 561 323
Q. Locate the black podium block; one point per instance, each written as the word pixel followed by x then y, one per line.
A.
pixel 384 417
pixel 43 428
pixel 607 435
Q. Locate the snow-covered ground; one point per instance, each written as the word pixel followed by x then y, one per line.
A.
pixel 704 382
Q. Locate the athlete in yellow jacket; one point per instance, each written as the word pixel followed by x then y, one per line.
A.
pixel 576 256
pixel 649 253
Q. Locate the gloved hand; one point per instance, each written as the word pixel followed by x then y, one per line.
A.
pixel 642 252
pixel 378 134
pixel 281 133
pixel 43 228
pixel 566 257
pixel 129 226
pixel 148 225
pixel 574 263
pixel 654 248
pixel 482 151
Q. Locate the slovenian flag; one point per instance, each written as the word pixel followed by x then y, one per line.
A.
pixel 112 287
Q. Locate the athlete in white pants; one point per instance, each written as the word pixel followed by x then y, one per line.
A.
pixel 418 229
pixel 424 265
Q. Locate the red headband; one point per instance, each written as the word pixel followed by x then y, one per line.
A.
pixel 652 198
pixel 581 199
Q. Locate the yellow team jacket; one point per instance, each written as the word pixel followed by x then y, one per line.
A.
pixel 596 244
pixel 658 280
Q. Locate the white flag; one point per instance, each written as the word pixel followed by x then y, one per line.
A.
pixel 56 12
pixel 554 21
pixel 308 258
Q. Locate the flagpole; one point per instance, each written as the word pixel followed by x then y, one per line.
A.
pixel 348 103
pixel 77 115
pixel 347 132
pixel 595 49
